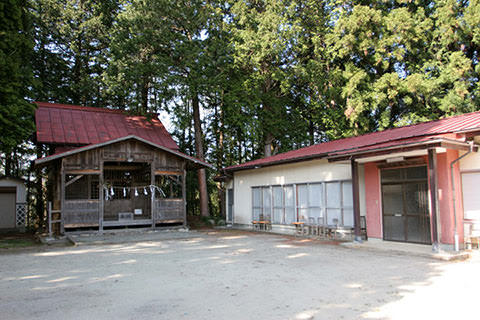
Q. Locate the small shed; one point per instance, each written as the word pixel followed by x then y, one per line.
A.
pixel 13 203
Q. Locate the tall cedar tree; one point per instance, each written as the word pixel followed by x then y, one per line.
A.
pixel 72 39
pixel 162 53
pixel 263 37
pixel 259 77
pixel 16 114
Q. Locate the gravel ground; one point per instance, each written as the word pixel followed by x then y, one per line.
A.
pixel 232 275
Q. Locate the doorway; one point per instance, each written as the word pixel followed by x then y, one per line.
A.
pixel 7 207
pixel 128 192
pixel 405 210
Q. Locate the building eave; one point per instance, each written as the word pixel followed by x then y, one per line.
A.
pixel 405 147
pixel 196 162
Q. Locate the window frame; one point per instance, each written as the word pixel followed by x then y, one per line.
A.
pixel 323 207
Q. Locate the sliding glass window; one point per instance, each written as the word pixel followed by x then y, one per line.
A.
pixel 330 202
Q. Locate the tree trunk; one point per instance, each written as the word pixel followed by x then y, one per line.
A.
pixel 220 148
pixel 16 164
pixel 8 164
pixel 202 176
pixel 144 94
pixel 268 140
pixel 311 133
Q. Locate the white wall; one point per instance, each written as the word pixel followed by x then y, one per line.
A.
pixel 470 172
pixel 470 162
pixel 21 190
pixel 307 171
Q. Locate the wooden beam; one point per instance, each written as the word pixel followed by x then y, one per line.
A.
pixel 432 176
pixel 356 200
pixel 124 167
pixel 163 172
pixel 73 180
pixel 82 171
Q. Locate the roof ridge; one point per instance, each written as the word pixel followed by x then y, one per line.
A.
pixel 78 107
pixel 351 140
pixel 376 132
pixel 413 124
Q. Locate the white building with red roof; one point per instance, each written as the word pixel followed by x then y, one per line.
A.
pixel 412 184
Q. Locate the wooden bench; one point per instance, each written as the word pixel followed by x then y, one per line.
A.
pixel 472 234
pixel 299 228
pixel 475 241
pixel 262 225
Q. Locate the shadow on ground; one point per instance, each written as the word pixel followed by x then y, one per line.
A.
pixel 234 275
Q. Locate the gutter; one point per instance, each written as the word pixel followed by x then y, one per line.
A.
pixel 277 162
pixel 342 154
pixel 454 197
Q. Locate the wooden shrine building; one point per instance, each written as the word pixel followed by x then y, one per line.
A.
pixel 109 169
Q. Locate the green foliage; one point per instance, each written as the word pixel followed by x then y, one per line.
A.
pixel 405 61
pixel 264 35
pixel 72 39
pixel 268 76
pixel 16 114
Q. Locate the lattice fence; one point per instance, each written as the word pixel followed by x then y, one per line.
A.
pixel 21 214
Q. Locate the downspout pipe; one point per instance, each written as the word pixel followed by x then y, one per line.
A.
pixel 454 197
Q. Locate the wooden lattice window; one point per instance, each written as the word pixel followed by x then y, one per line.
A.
pixel 81 187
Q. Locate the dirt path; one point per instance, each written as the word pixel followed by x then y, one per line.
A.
pixel 232 275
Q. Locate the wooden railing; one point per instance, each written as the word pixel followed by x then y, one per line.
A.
pixel 54 217
pixel 169 210
pixel 81 213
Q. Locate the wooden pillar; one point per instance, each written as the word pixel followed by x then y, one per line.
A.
pixel 432 176
pixel 152 196
pixel 184 195
pixel 62 197
pixel 101 199
pixel 356 200
pixel 89 186
pixel 50 231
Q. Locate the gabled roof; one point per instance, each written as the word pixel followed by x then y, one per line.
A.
pixel 47 159
pixel 64 124
pixel 422 133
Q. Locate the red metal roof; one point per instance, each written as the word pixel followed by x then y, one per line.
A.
pixel 77 125
pixel 371 141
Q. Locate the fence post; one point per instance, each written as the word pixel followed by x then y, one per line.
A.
pixel 50 233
